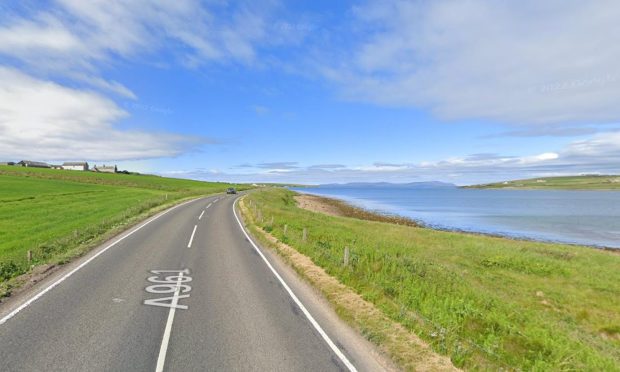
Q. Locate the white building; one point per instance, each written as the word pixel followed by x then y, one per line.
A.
pixel 75 165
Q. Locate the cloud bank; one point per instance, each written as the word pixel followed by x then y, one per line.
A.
pixel 53 102
pixel 521 63
pixel 44 120
pixel 597 155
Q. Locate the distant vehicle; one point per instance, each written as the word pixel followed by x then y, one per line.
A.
pixel 231 190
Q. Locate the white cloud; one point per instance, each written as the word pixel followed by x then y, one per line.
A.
pixel 604 147
pixel 523 62
pixel 77 39
pixel 541 157
pixel 381 167
pixel 45 35
pixel 110 86
pixel 91 31
pixel 260 110
pixel 73 42
pixel 599 154
pixel 44 120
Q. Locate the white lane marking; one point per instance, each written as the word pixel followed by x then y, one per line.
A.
pixel 314 323
pixel 201 214
pixel 208 206
pixel 67 275
pixel 163 349
pixel 191 239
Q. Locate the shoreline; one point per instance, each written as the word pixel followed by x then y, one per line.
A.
pixel 342 208
pixel 350 210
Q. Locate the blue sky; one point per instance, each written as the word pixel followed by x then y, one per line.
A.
pixel 314 92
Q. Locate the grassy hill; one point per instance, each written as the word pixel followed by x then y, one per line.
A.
pixel 59 214
pixel 489 303
pixel 593 182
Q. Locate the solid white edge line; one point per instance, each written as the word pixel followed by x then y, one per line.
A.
pixel 201 214
pixel 67 275
pixel 163 349
pixel 297 301
pixel 191 239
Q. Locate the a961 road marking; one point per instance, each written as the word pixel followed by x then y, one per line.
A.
pixel 164 282
pixel 169 282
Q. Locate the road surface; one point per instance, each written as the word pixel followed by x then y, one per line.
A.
pixel 185 291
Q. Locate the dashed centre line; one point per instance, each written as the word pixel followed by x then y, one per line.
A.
pixel 201 214
pixel 191 239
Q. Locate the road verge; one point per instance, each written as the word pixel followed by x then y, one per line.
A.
pixel 485 302
pixel 402 346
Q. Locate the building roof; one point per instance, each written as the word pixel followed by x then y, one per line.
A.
pixel 78 163
pixel 39 163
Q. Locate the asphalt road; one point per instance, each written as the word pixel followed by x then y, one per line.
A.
pixel 212 305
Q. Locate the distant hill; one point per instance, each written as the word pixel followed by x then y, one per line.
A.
pixel 383 185
pixel 585 182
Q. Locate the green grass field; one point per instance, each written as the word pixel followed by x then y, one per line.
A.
pixel 57 214
pixel 609 182
pixel 489 303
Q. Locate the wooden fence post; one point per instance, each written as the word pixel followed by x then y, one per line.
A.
pixel 285 229
pixel 346 256
pixel 29 256
pixel 304 235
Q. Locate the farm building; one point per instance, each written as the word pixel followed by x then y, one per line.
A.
pixel 75 165
pixel 105 169
pixel 33 164
pixel 7 163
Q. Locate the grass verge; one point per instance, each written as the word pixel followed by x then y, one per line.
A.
pixel 403 346
pixel 58 215
pixel 486 302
